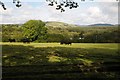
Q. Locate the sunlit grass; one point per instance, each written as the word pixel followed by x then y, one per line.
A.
pixel 47 57
pixel 54 52
pixel 74 45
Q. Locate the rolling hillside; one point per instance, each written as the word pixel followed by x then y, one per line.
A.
pixel 66 25
pixel 99 24
pixel 59 24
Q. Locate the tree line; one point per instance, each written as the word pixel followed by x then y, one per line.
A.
pixel 37 31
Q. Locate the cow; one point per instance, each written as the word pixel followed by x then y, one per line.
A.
pixel 25 40
pixel 12 40
pixel 66 42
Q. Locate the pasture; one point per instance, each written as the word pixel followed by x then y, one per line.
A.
pixel 38 61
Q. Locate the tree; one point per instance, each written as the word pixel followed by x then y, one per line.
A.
pixel 2 4
pixel 81 35
pixel 11 31
pixel 34 30
pixel 17 2
pixel 60 4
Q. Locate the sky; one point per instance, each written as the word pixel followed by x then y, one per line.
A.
pixel 89 12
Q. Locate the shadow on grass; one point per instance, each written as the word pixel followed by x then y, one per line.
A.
pixel 21 62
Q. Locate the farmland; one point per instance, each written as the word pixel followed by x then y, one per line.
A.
pixel 34 52
pixel 61 62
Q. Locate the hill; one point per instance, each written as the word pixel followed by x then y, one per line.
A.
pixel 66 25
pixel 101 25
pixel 59 24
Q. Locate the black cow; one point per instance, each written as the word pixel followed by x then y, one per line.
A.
pixel 12 40
pixel 25 40
pixel 65 42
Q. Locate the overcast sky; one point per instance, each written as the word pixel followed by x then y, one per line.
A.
pixel 89 12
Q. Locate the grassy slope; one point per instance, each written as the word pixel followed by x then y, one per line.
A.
pixel 40 60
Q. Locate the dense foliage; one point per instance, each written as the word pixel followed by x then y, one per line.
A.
pixel 38 31
pixel 11 32
pixel 34 30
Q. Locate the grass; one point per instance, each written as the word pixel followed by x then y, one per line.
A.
pixel 74 45
pixel 52 60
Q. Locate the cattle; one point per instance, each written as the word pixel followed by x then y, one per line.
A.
pixel 12 40
pixel 25 40
pixel 66 42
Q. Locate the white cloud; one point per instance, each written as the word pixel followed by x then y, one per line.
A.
pixel 87 13
pixel 100 13
pixel 106 0
pixel 5 12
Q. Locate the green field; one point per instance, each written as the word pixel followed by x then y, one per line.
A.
pixel 38 61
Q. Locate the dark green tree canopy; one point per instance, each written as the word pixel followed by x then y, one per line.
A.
pixel 34 29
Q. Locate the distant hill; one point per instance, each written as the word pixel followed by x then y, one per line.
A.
pixel 59 24
pixel 65 25
pixel 101 25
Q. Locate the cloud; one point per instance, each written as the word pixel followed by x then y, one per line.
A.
pixel 87 13
pixel 107 1
pixel 25 13
pixel 99 13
